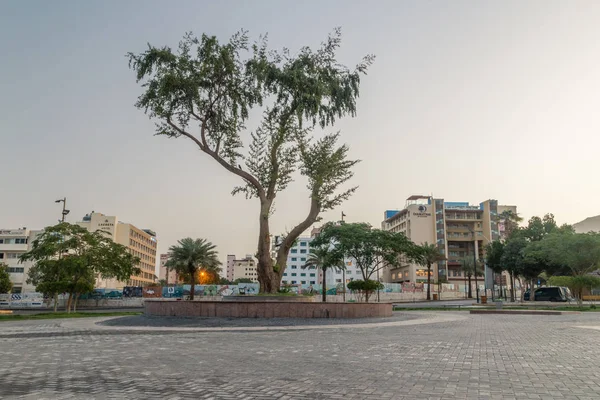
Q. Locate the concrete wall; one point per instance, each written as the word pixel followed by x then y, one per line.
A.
pixel 265 309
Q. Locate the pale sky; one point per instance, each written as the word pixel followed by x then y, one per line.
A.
pixel 467 100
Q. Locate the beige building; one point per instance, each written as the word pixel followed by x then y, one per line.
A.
pixel 13 243
pixel 242 268
pixel 163 274
pixel 141 243
pixel 458 229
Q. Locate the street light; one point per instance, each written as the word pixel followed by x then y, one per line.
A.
pixel 64 209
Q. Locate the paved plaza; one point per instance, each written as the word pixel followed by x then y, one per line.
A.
pixel 417 355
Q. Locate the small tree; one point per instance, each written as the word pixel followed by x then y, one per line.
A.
pixel 371 249
pixel 68 259
pixel 5 283
pixel 470 267
pixel 189 256
pixel 365 287
pixel 427 255
pixel 324 258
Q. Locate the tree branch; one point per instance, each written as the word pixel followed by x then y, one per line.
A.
pixel 287 243
pixel 203 145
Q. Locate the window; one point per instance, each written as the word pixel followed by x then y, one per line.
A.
pixel 8 241
pixel 312 282
pixel 1 240
pixel 20 241
pixel 338 281
pixel 294 274
pixel 302 244
pixel 16 270
pixel 303 259
pixel 11 255
pixel 294 267
pixel 294 259
pixel 312 275
pixel 1 256
pixel 285 274
pixel 303 274
pixel 296 251
pixel 284 282
pixel 304 282
pixel 303 251
pixel 350 272
pixel 16 289
pixel 293 282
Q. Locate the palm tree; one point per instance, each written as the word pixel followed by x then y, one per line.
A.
pixel 429 254
pixel 191 255
pixel 469 270
pixel 324 259
pixel 511 221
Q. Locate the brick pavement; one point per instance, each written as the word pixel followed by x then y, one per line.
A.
pixel 471 357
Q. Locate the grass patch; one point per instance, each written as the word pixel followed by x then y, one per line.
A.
pixel 51 315
pixel 283 294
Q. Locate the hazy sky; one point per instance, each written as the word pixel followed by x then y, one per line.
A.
pixel 467 100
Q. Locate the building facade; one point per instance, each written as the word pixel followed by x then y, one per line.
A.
pixel 459 230
pixel 241 268
pixel 13 243
pixel 141 243
pixel 169 276
pixel 297 274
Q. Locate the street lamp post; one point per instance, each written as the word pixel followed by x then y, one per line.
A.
pixel 64 209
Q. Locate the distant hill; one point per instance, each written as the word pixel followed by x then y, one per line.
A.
pixel 588 225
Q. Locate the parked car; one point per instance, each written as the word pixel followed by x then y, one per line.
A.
pixel 550 293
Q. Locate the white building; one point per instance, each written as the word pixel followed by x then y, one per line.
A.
pixel 13 243
pixel 295 274
pixel 170 276
pixel 241 268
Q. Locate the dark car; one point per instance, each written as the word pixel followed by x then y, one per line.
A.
pixel 550 293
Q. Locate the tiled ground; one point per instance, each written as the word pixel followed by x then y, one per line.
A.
pixel 472 357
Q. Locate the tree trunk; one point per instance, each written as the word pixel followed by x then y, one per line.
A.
pixel 75 302
pixel 324 287
pixel 55 302
pixel 512 286
pixel 69 302
pixel 470 290
pixel 532 290
pixel 268 273
pixel 429 281
pixel 366 296
pixel 193 285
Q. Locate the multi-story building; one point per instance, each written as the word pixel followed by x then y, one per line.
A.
pixel 13 243
pixel 141 243
pixel 459 230
pixel 241 268
pixel 169 276
pixel 297 274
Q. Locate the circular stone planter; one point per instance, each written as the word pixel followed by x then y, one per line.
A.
pixel 277 299
pixel 265 309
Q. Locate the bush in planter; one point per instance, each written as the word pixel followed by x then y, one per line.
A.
pixel 366 288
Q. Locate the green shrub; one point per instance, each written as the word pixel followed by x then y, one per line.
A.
pixel 365 287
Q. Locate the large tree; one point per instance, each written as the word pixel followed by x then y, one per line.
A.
pixel 427 255
pixel 324 258
pixel 68 259
pixel 190 256
pixel 371 249
pixel 5 283
pixel 204 91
